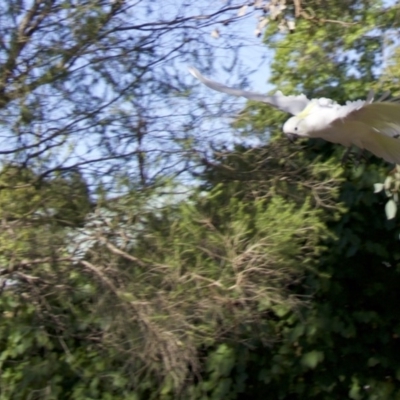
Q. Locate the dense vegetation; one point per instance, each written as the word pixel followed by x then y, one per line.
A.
pixel 141 258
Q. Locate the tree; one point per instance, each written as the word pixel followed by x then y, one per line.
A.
pixel 84 96
pixel 122 281
pixel 345 343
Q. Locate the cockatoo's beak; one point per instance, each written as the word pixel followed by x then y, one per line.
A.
pixel 292 137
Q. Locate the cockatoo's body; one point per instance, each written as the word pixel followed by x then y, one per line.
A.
pixel 367 125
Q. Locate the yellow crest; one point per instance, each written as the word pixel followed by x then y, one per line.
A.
pixel 306 111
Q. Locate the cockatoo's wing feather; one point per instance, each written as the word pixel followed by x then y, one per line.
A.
pixel 382 146
pixel 290 104
pixel 381 117
pixel 372 126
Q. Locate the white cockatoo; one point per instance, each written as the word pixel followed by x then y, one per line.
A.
pixel 374 126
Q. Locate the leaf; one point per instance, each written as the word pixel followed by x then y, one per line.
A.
pixel 215 34
pixel 312 358
pixel 281 310
pixel 291 25
pixel 378 187
pixel 242 11
pixel 391 209
pixel 126 296
pixel 372 361
pixel 263 23
pixel 388 182
pixel 354 392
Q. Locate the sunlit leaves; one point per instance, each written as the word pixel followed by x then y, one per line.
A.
pixel 312 359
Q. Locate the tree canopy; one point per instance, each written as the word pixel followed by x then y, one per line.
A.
pixel 149 249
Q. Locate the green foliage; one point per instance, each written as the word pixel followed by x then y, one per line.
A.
pixel 345 344
pixel 49 340
pixel 277 278
pixel 33 212
pixel 391 187
pixel 327 59
pixel 201 284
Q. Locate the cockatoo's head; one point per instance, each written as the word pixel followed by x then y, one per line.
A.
pixel 295 127
pixel 298 126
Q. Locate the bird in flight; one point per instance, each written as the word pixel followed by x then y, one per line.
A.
pixel 374 126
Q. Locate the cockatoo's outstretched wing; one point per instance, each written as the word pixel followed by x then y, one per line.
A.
pixel 383 117
pixel 290 104
pixel 375 126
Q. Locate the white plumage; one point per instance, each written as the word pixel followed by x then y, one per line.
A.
pixel 368 125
